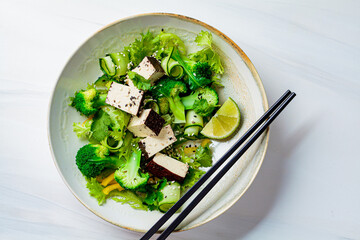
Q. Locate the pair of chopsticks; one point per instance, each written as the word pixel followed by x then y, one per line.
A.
pixel 256 130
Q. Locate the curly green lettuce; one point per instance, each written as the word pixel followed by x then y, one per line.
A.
pixel 140 48
pixel 207 54
pixel 203 155
pixel 124 197
pixel 191 178
pixel 166 41
pixel 128 197
pixel 83 130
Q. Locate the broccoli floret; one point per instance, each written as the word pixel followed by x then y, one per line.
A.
pixel 92 159
pixel 203 101
pixel 88 101
pixel 202 69
pixel 199 73
pixel 129 176
pixel 168 90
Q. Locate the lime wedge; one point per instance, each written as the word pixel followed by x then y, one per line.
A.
pixel 225 121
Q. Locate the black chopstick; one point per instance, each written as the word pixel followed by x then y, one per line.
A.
pixel 285 98
pixel 224 170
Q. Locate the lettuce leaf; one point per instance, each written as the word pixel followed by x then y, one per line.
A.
pixel 191 178
pixel 139 81
pixel 204 39
pixel 203 156
pixel 83 130
pixel 207 54
pixel 128 197
pixel 100 126
pixel 124 197
pixel 95 190
pixel 140 48
pixel 153 194
pixel 119 119
pixel 166 41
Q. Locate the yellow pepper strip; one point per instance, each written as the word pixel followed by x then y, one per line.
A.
pixel 99 178
pixel 113 182
pixel 205 142
pixel 189 150
pixel 112 187
pixel 108 179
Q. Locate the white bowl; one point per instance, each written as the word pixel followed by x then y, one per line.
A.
pixel 241 81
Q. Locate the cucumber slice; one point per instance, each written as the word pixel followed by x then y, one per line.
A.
pixel 149 103
pixel 121 61
pixel 194 124
pixel 192 132
pixel 175 69
pixel 171 194
pixel 193 119
pixel 171 67
pixel 107 66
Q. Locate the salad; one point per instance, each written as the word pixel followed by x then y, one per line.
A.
pixel 151 118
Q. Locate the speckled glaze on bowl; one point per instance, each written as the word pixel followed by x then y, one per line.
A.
pixel 241 81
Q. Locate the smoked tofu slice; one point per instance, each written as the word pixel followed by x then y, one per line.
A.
pixel 125 98
pixel 154 144
pixel 167 167
pixel 148 123
pixel 150 68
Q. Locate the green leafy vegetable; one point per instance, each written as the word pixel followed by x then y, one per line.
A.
pixel 207 54
pixel 203 155
pixel 191 178
pixel 187 159
pixel 140 48
pixel 119 120
pixel 83 130
pixel 153 193
pixel 125 196
pixel 100 126
pixel 197 76
pixel 166 41
pixel 128 197
pixel 95 190
pixel 139 81
pixel 128 143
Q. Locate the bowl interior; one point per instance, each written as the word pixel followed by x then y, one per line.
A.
pixel 241 83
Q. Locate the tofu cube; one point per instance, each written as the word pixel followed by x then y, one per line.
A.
pixel 148 123
pixel 125 98
pixel 149 68
pixel 129 82
pixel 154 144
pixel 167 167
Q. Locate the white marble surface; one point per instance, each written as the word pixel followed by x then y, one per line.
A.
pixel 308 186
